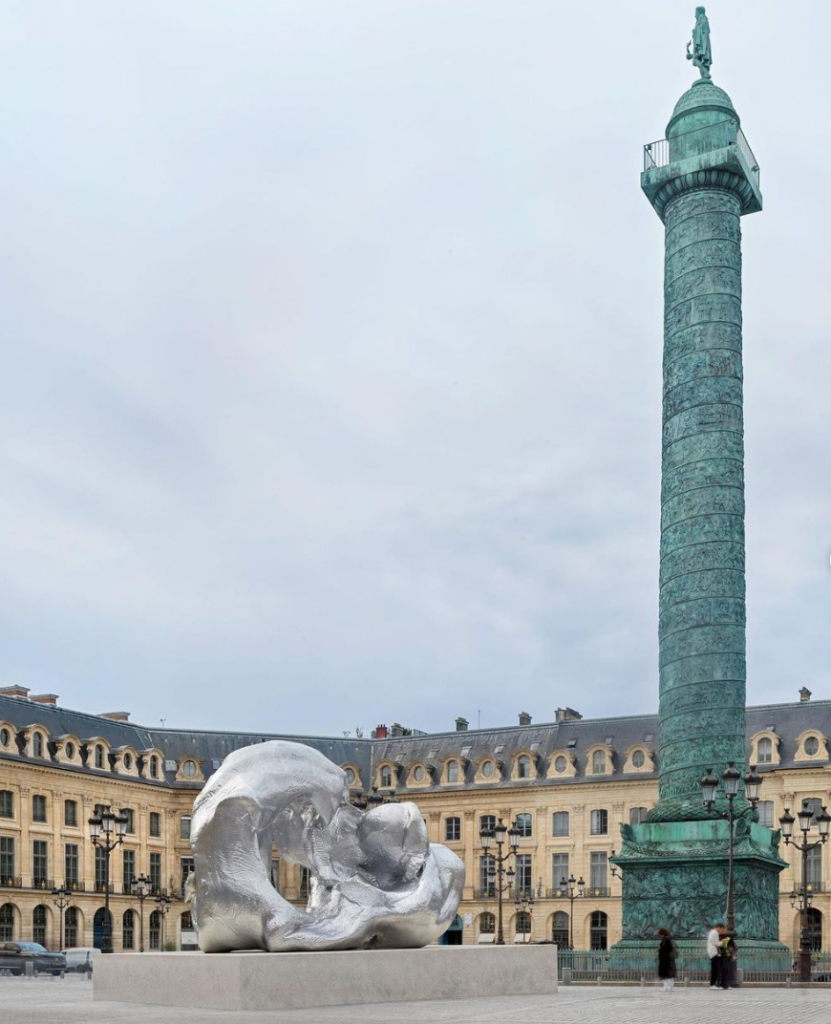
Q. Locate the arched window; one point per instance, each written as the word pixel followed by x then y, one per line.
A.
pixel 764 750
pixel 127 761
pixel 99 756
pixel 70 928
pixel 39 918
pixel 523 767
pixel 156 930
pixel 525 825
pixel 37 746
pixel 154 767
pixel 452 829
pixel 7 923
pixel 599 762
pixel 386 775
pixel 559 929
pixel 523 923
pixel 599 930
pixel 98 927
pixel 128 930
pixel 560 823
pixel 487 823
pixel 452 771
pixel 814 929
pixel 638 759
pixel 487 924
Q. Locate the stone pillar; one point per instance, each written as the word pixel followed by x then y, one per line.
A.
pixel 700 181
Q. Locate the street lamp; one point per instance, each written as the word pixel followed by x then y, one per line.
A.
pixel 366 801
pixel 730 779
pixel 573 889
pixel 162 902
pixel 61 897
pixel 106 831
pixel 804 895
pixel 141 890
pixel 496 861
pixel 524 903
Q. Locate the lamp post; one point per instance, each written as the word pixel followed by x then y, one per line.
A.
pixel 730 778
pixel 805 892
pixel 496 869
pixel 574 889
pixel 102 828
pixel 141 890
pixel 162 902
pixel 524 903
pixel 61 898
pixel 372 798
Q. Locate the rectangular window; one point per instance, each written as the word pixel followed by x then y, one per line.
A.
pixel 40 862
pixel 487 865
pixel 128 814
pixel 525 825
pixel 70 864
pixel 100 869
pixel 560 827
pixel 452 830
pixel 813 866
pixel 128 869
pixel 38 807
pixel 155 824
pixel 6 803
pixel 523 881
pixel 600 823
pixel 598 867
pixel 6 858
pixel 560 876
pixel 185 869
pixel 637 815
pixel 305 883
pixel 766 813
pixel 184 827
pixel 70 813
pixel 275 873
pixel 155 871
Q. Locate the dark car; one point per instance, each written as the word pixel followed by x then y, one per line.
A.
pixel 15 955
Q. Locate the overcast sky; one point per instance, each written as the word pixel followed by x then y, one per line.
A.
pixel 331 369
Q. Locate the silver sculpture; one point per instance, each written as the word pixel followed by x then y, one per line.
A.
pixel 376 881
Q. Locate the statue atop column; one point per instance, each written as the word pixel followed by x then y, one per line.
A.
pixel 701 54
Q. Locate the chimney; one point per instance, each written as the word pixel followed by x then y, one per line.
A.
pixel 397 729
pixel 15 691
pixel 461 724
pixel 524 718
pixel 380 732
pixel 50 699
pixel 804 695
pixel 567 715
pixel 116 716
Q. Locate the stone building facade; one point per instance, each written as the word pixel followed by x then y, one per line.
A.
pixel 568 784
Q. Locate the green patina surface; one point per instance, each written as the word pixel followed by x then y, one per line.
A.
pixel 675 867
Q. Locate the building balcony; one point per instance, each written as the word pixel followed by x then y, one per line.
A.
pixel 42 883
pixel 11 882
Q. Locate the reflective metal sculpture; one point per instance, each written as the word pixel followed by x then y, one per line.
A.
pixel 376 881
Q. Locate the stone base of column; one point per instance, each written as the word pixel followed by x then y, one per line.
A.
pixel 675 876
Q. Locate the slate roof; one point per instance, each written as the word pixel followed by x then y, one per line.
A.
pixel 576 736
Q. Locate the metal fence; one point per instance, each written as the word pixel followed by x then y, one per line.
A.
pixel 616 967
pixel 657 154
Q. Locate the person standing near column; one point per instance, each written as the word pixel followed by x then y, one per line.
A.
pixel 714 953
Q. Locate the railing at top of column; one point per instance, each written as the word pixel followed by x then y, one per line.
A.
pixel 657 154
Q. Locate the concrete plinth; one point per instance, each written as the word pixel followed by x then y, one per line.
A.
pixel 289 981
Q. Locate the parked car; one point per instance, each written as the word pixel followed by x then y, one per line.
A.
pixel 79 958
pixel 15 955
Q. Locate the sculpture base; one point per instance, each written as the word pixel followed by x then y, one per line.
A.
pixel 290 981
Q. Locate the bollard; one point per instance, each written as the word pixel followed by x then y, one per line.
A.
pixel 643 981
pixel 29 968
pixel 738 977
pixel 566 975
pixel 600 979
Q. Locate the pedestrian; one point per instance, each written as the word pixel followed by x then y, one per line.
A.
pixel 666 960
pixel 713 952
pixel 727 959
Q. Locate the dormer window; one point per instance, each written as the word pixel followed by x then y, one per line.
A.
pixel 764 750
pixel 37 745
pixel 99 756
pixel 811 746
pixel 154 767
pixel 487 770
pixel 638 759
pixel 5 737
pixel 523 767
pixel 452 771
pixel 560 764
pixel 127 761
pixel 418 774
pixel 386 776
pixel 599 762
pixel 189 768
pixel 69 750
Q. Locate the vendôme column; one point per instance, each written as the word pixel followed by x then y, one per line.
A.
pixel 701 180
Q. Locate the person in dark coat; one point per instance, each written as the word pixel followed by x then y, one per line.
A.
pixel 666 960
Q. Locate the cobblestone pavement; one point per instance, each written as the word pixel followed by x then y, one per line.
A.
pixel 42 1000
